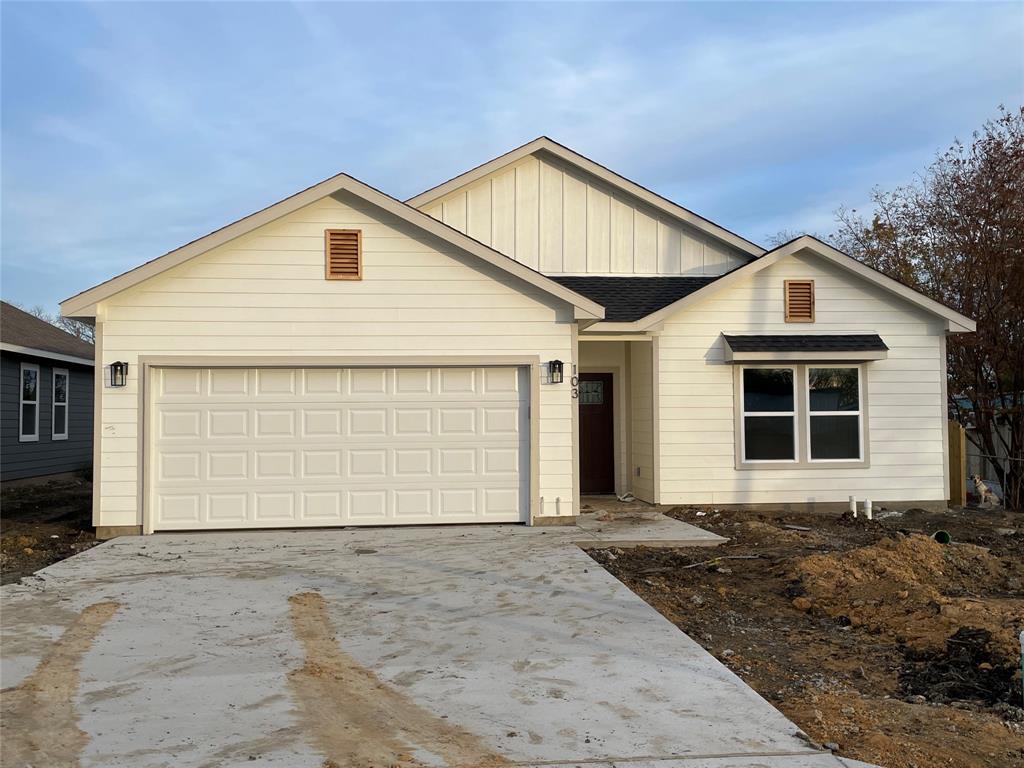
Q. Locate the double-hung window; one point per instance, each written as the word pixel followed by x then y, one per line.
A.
pixel 801 415
pixel 28 412
pixel 834 414
pixel 59 422
pixel 768 420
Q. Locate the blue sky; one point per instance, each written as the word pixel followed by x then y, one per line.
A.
pixel 129 129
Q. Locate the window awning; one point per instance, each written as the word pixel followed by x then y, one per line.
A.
pixel 789 347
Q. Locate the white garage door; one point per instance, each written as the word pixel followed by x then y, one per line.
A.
pixel 276 447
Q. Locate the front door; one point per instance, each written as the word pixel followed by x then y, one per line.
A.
pixel 597 463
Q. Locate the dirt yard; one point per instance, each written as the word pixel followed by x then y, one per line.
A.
pixel 876 640
pixel 43 523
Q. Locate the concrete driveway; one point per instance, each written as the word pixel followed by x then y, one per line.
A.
pixel 375 647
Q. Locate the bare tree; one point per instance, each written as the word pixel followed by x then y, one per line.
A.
pixel 76 328
pixel 957 235
pixel 783 236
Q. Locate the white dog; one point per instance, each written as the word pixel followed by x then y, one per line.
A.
pixel 986 494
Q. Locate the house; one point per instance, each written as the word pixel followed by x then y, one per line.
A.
pixel 46 398
pixel 535 329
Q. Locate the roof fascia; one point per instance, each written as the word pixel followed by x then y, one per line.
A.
pixel 85 303
pixel 34 352
pixel 955 322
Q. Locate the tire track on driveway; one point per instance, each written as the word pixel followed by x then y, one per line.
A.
pixel 39 723
pixel 356 719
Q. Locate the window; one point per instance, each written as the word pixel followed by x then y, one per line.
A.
pixel 799 301
pixel 591 392
pixel 802 415
pixel 59 429
pixel 28 415
pixel 343 253
pixel 834 414
pixel 768 417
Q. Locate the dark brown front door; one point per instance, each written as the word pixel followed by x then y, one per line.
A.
pixel 597 465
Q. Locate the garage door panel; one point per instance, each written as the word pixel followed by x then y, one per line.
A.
pixel 274 507
pixel 227 382
pixel 323 506
pixel 321 464
pixel 227 508
pixel 292 447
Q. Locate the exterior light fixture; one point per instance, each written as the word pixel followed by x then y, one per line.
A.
pixel 118 374
pixel 555 371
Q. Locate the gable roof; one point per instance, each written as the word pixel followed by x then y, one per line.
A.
pixel 955 321
pixel 84 303
pixel 27 334
pixel 630 298
pixel 562 152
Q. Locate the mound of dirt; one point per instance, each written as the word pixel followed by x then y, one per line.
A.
pixel 919 593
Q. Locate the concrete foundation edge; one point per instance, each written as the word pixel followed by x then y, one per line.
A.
pixel 104 532
pixel 823 507
pixel 552 520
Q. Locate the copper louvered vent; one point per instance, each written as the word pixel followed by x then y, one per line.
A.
pixel 799 301
pixel 344 254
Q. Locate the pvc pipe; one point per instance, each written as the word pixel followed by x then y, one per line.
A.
pixel 867 509
pixel 853 506
pixel 942 537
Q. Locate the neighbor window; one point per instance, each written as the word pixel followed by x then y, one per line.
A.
pixel 834 414
pixel 769 414
pixel 60 404
pixel 28 415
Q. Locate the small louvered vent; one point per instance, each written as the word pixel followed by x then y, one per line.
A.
pixel 344 254
pixel 799 301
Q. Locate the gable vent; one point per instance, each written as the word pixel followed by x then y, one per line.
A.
pixel 344 254
pixel 799 301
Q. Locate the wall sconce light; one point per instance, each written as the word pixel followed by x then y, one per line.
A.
pixel 118 374
pixel 555 371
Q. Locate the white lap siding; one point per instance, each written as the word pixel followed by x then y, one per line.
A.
pixel 905 394
pixel 264 295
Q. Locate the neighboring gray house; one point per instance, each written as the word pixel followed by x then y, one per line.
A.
pixel 46 398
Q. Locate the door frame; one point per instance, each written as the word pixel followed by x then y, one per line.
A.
pixel 145 452
pixel 619 425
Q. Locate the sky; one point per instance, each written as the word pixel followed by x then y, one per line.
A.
pixel 129 129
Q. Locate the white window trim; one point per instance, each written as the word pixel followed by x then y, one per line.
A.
pixel 859 413
pixel 34 437
pixel 792 414
pixel 802 434
pixel 66 405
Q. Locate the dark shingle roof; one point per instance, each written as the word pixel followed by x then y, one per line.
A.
pixel 866 342
pixel 25 330
pixel 626 299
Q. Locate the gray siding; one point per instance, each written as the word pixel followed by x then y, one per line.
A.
pixel 47 456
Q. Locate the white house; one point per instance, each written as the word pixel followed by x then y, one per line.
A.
pixel 535 329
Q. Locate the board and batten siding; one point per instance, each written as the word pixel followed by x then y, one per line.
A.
pixel 559 221
pixel 264 294
pixel 45 456
pixel 906 409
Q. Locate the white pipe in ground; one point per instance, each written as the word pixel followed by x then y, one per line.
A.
pixel 853 506
pixel 867 509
